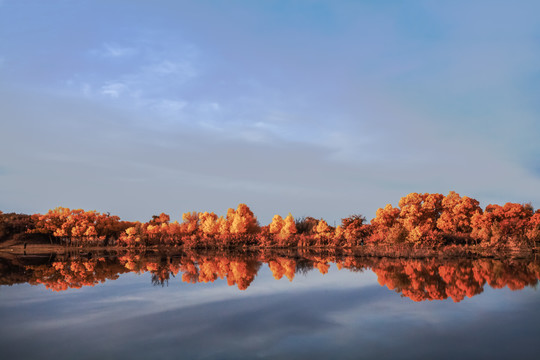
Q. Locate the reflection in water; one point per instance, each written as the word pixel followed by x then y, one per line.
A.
pixel 417 279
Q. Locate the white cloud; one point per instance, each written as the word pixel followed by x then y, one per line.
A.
pixel 150 80
pixel 113 90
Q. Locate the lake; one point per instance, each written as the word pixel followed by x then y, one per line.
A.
pixel 277 305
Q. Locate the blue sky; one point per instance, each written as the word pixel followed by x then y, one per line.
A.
pixel 321 108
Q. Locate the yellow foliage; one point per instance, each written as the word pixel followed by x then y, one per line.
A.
pixel 276 224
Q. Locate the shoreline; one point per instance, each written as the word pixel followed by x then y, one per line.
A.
pixel 390 251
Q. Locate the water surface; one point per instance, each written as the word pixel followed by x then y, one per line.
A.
pixel 266 305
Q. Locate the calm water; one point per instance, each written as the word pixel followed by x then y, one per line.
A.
pixel 267 306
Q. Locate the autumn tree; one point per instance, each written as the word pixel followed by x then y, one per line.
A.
pixel 352 230
pixel 160 219
pixel 242 223
pixel 306 225
pixel 500 224
pixel 322 232
pixel 276 225
pixel 208 223
pixel 110 227
pixel 386 224
pixel 135 235
pixel 173 233
pixel 15 226
pixel 283 230
pixel 419 215
pixel 289 226
pixel 533 229
pixel 457 213
pixel 191 222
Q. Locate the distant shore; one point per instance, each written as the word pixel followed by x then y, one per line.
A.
pixel 391 251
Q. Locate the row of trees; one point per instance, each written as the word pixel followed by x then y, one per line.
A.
pixel 79 227
pixel 417 279
pixel 420 219
pixel 434 218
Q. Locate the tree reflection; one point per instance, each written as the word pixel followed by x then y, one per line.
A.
pixel 416 279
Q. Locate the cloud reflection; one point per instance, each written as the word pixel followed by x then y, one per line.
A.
pixel 339 321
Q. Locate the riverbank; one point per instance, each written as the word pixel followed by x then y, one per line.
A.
pixel 391 251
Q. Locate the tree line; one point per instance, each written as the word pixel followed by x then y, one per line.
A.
pixel 428 219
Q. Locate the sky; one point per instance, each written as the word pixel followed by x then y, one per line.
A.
pixel 318 108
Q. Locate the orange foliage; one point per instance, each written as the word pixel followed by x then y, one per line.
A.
pixel 276 225
pixel 419 214
pixel 417 279
pixel 385 220
pixel 282 266
pixel 533 230
pixel 457 213
pixel 351 232
pixel 289 226
pixel 500 224
pixel 430 220
pixel 79 226
pixel 242 221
